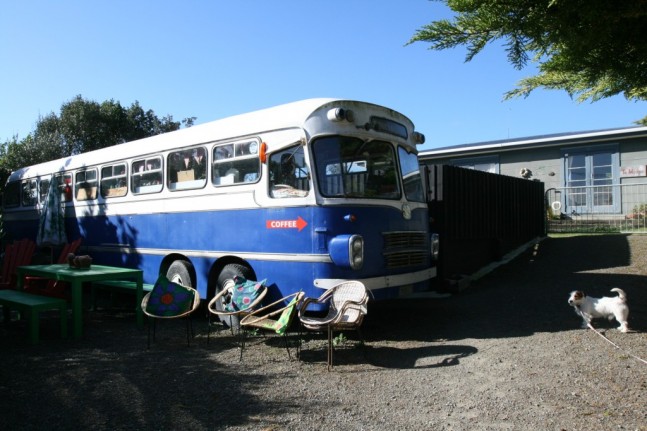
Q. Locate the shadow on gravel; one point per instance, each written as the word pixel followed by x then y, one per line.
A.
pixel 436 356
pixel 525 296
pixel 109 380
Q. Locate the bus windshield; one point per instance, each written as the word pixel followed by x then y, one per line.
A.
pixel 411 177
pixel 352 167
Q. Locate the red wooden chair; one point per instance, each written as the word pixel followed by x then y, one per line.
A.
pixel 54 288
pixel 17 254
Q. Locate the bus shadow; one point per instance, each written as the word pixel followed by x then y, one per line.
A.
pixel 525 296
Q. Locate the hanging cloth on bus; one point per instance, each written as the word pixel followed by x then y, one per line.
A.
pixel 51 226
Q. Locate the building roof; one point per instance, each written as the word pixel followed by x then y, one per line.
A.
pixel 532 142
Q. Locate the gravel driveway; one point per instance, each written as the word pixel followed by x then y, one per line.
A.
pixel 506 354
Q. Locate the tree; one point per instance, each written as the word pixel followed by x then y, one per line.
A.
pixel 82 126
pixel 591 48
pixel 88 125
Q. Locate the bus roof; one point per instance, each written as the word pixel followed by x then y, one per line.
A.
pixel 290 115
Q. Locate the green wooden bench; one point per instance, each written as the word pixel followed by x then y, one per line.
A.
pixel 115 285
pixel 31 305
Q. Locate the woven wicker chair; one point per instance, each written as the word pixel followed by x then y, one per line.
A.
pixel 234 302
pixel 347 303
pixel 224 304
pixel 271 318
pixel 170 300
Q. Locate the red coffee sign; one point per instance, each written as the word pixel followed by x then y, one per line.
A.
pixel 298 224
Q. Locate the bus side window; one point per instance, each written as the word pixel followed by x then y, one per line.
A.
pixel 85 185
pixel 43 190
pixel 113 181
pixel 29 193
pixel 146 176
pixel 65 187
pixel 11 196
pixel 187 169
pixel 289 175
pixel 236 163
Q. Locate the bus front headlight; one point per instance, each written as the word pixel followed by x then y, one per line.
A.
pixel 435 246
pixel 347 251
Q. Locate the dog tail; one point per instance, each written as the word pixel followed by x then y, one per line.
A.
pixel 621 293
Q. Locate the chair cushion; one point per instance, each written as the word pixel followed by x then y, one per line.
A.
pixel 169 299
pixel 244 294
pixel 284 320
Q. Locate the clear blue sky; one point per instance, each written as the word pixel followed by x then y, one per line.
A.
pixel 212 59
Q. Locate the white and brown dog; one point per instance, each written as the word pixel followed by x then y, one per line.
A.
pixel 610 307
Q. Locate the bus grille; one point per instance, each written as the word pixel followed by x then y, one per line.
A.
pixel 405 249
pixel 405 259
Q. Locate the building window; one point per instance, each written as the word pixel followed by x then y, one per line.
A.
pixel 591 179
pixel 485 164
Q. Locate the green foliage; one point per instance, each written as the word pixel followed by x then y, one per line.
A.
pixel 339 339
pixel 590 48
pixel 639 211
pixel 83 125
pixel 88 125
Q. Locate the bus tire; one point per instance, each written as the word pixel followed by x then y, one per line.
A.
pixel 225 280
pixel 180 272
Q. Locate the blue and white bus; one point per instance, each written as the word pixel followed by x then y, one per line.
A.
pixel 305 195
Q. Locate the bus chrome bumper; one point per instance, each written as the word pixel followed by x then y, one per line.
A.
pixel 386 281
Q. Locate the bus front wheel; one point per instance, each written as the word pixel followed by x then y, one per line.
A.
pixel 180 272
pixel 226 281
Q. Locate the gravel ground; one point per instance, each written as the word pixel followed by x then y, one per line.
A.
pixel 506 354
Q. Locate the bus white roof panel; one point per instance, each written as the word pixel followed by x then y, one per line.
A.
pixel 281 117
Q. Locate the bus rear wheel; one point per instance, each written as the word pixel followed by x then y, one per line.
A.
pixel 180 272
pixel 225 281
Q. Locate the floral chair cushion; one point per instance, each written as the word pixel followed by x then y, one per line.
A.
pixel 169 299
pixel 244 294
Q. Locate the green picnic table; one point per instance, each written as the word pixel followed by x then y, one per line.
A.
pixel 77 276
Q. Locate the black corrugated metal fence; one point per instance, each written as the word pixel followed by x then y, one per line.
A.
pixel 481 216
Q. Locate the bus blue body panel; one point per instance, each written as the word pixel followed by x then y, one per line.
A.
pixel 280 244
